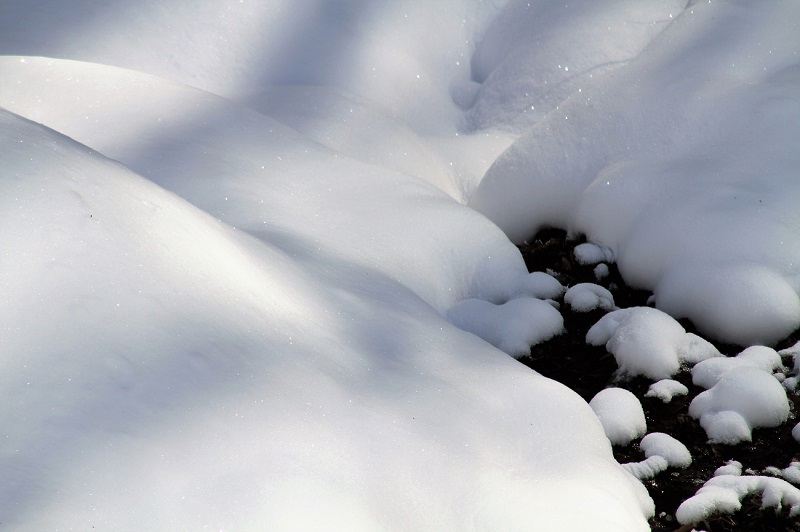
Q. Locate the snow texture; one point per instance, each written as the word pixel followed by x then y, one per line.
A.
pixel 621 415
pixel 646 341
pixel 585 297
pixel 707 373
pixel 666 390
pixel 731 467
pixel 590 254
pixel 235 238
pixel 674 452
pixel 661 451
pixel 743 399
pixel 723 494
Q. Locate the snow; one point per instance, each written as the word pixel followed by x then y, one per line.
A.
pixel 678 165
pixel 621 415
pixel 724 493
pixel 661 451
pixel 666 390
pixel 257 258
pixel 707 373
pixel 512 327
pixel 585 297
pixel 731 467
pixel 588 254
pixel 601 272
pixel 743 399
pixel 646 341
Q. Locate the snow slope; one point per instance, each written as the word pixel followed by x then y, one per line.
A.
pixel 234 245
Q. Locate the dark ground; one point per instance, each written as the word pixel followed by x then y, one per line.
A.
pixel 587 370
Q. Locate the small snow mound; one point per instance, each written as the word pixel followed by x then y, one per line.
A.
pixel 666 389
pixel 512 327
pixel 601 272
pixel 792 473
pixel 621 415
pixel 643 340
pixel 731 467
pixel 588 254
pixel 585 297
pixel 743 399
pixel 724 493
pixel 796 432
pixel 647 468
pixel 708 372
pixel 540 285
pixel 674 452
pixel 696 349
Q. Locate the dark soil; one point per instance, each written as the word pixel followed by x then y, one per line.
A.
pixel 587 370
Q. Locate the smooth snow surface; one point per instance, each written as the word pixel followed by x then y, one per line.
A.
pixel 660 444
pixel 240 258
pixel 621 415
pixel 724 494
pixel 744 398
pixel 648 342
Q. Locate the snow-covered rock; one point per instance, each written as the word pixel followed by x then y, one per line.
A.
pixel 724 493
pixel 666 389
pixel 646 341
pixel 585 297
pixel 743 399
pixel 621 415
pixel 708 372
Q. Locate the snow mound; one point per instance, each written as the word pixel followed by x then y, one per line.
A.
pixel 707 373
pixel 585 297
pixel 660 444
pixel 661 451
pixel 744 398
pixel 646 341
pixel 621 415
pixel 724 493
pixel 589 254
pixel 796 432
pixel 666 389
pixel 512 327
pixel 731 467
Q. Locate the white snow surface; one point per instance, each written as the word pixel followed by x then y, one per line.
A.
pixel 235 238
pixel 661 451
pixel 691 143
pixel 724 494
pixel 646 341
pixel 585 297
pixel 744 398
pixel 621 415
pixel 666 390
pixel 707 373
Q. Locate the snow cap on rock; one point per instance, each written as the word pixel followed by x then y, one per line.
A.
pixel 621 415
pixel 743 399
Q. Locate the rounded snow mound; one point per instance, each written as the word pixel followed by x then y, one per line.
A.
pixel 648 342
pixel 744 398
pixel 621 415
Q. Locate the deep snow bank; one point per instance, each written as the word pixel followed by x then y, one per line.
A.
pixel 683 162
pixel 154 357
